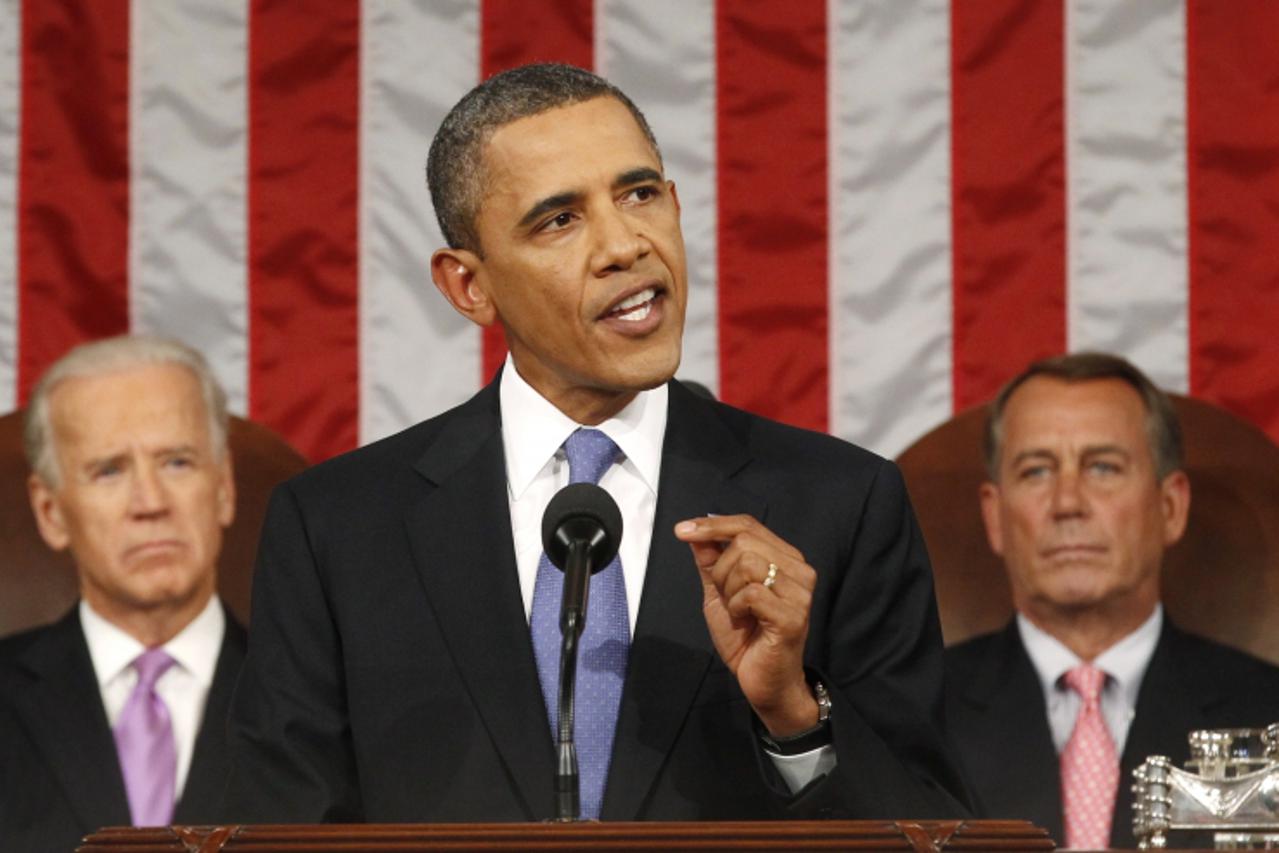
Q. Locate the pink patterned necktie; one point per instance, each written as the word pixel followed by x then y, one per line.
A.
pixel 1089 766
pixel 144 742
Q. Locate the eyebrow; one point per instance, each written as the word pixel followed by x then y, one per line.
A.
pixel 640 175
pixel 1090 450
pixel 1032 454
pixel 167 450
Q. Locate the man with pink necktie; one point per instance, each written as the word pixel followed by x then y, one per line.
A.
pixel 116 713
pixel 1086 491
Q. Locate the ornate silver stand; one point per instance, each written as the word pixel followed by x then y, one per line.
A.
pixel 1230 786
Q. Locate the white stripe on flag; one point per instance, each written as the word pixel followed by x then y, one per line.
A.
pixel 1126 126
pixel 10 100
pixel 188 153
pixel 662 55
pixel 890 235
pixel 417 355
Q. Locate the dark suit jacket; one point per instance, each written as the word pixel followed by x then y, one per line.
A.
pixel 390 674
pixel 999 723
pixel 60 775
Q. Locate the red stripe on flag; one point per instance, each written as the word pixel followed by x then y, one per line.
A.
pixel 1009 204
pixel 303 226
pixel 516 32
pixel 73 179
pixel 772 185
pixel 1232 117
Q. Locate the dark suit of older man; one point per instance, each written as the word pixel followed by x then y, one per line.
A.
pixel 61 777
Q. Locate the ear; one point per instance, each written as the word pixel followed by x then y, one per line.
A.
pixel 990 516
pixel 50 518
pixel 1174 503
pixel 674 195
pixel 456 272
pixel 226 490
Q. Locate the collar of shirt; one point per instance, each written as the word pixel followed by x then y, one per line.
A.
pixel 184 687
pixel 533 431
pixel 195 648
pixel 638 430
pixel 1124 662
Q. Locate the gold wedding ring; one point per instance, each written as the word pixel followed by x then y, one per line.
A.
pixel 771 577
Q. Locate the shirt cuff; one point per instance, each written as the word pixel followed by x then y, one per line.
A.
pixel 799 771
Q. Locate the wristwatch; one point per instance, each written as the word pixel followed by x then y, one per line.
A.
pixel 809 739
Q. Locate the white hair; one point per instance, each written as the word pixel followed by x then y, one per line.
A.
pixel 112 355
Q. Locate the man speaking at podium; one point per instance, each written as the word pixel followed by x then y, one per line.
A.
pixel 765 645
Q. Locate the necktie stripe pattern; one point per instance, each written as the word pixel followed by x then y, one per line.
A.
pixel 604 645
pixel 1089 766
pixel 145 745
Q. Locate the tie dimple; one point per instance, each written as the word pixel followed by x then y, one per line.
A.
pixel 604 645
pixel 1089 766
pixel 144 743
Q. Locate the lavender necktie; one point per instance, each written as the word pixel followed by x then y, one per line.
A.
pixel 144 742
pixel 603 649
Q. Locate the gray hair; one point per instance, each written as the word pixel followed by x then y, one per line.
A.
pixel 112 355
pixel 454 166
pixel 1163 429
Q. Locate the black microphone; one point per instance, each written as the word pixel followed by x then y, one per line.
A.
pixel 581 531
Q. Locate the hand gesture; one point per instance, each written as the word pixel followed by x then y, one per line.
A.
pixel 757 591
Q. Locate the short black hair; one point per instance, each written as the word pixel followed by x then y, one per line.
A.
pixel 1163 429
pixel 454 166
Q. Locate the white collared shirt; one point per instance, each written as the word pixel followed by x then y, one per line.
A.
pixel 184 687
pixel 1125 666
pixel 533 431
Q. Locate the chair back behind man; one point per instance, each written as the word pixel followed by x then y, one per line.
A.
pixel 1221 580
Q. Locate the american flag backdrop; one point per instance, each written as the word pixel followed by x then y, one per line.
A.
pixel 890 205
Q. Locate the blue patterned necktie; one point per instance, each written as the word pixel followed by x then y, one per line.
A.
pixel 603 648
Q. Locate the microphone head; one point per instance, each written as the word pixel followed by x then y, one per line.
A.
pixel 582 512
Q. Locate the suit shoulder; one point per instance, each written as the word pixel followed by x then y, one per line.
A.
pixel 965 657
pixel 14 645
pixel 1203 655
pixel 804 450
pixel 972 648
pixel 376 465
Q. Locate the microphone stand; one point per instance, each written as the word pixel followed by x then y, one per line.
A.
pixel 577 576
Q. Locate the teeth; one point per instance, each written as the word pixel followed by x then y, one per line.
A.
pixel 634 301
pixel 636 315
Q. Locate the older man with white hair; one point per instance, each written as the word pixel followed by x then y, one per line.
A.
pixel 115 713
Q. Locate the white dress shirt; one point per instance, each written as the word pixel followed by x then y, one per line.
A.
pixel 533 432
pixel 1124 664
pixel 184 687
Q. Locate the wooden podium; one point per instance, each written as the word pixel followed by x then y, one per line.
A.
pixel 916 836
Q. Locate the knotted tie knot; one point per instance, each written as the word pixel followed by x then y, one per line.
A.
pixel 150 666
pixel 1088 681
pixel 590 453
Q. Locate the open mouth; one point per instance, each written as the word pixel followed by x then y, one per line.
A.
pixel 636 307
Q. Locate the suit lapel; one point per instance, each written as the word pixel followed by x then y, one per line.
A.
pixel 209 765
pixel 463 547
pixel 1019 762
pixel 64 714
pixel 671 649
